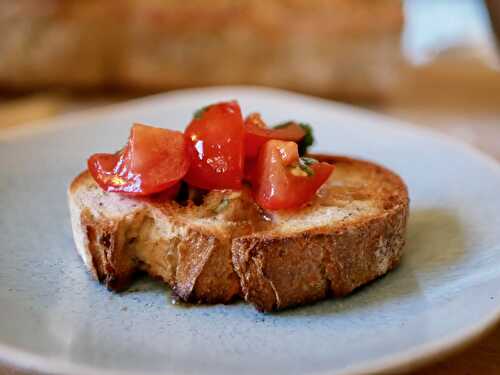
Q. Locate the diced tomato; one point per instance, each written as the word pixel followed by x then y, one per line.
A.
pixel 153 160
pixel 257 133
pixel 280 181
pixel 215 140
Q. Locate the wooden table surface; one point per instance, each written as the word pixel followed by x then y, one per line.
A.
pixel 466 108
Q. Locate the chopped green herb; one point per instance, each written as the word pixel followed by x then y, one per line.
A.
pixel 283 125
pixel 308 161
pixel 304 164
pixel 305 142
pixel 222 206
pixel 308 139
pixel 199 113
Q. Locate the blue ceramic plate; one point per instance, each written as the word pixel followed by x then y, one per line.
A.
pixel 54 318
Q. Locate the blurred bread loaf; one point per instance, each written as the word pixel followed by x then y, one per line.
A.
pixel 347 48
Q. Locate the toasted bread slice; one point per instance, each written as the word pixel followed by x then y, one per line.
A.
pixel 227 246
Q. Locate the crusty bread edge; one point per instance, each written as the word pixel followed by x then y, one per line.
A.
pixel 250 254
pixel 199 248
pixel 80 235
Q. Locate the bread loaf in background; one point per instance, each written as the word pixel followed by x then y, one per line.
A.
pixel 342 48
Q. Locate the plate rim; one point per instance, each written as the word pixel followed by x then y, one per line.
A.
pixel 406 360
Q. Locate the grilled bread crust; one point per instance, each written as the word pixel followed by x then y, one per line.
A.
pixel 227 247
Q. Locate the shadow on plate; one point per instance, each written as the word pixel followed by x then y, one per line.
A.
pixel 435 240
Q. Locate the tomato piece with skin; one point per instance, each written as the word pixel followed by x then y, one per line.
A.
pixel 279 182
pixel 153 160
pixel 257 133
pixel 215 140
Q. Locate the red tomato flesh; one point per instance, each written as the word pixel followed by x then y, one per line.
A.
pixel 215 140
pixel 257 133
pixel 276 182
pixel 154 159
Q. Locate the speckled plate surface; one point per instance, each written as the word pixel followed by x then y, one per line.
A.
pixel 55 319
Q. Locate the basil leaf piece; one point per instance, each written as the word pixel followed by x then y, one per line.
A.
pixel 308 139
pixel 198 114
pixel 305 142
pixel 304 164
pixel 222 205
